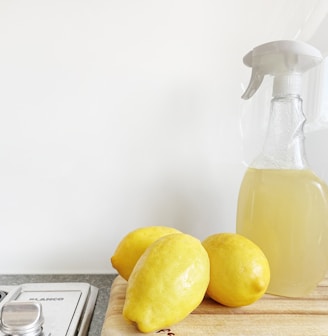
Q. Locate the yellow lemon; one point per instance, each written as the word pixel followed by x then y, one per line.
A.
pixel 168 282
pixel 133 245
pixel 240 272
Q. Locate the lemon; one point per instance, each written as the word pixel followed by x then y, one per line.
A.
pixel 240 272
pixel 133 245
pixel 168 282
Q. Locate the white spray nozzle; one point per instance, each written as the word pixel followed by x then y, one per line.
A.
pixel 286 60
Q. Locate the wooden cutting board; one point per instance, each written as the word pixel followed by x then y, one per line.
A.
pixel 269 316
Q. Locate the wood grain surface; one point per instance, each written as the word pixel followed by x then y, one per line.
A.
pixel 269 316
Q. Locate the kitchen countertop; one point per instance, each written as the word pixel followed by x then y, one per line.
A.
pixel 102 281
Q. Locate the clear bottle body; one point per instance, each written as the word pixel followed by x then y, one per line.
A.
pixel 283 205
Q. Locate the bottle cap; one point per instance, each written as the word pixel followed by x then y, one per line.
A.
pixel 286 60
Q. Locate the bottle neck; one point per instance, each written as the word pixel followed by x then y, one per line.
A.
pixel 284 144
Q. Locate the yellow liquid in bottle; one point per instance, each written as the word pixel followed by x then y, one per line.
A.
pixel 285 212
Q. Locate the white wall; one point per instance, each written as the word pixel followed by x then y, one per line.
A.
pixel 121 114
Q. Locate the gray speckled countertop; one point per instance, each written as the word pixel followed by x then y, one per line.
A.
pixel 102 281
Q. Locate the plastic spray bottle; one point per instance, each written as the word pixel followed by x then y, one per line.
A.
pixel 283 205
